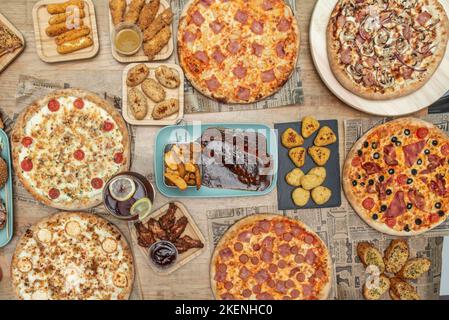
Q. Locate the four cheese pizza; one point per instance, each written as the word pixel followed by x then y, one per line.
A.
pixel 72 256
pixel 396 177
pixel 66 146
pixel 270 257
pixel 384 49
pixel 238 51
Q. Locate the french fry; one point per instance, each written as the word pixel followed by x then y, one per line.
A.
pixel 190 167
pixel 181 169
pixel 177 180
pixel 170 161
pixel 198 177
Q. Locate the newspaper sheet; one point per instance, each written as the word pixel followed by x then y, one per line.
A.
pixel 291 94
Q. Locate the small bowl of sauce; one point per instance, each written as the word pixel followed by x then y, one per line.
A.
pixel 128 39
pixel 163 254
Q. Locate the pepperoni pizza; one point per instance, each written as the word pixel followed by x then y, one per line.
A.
pixel 66 146
pixel 238 51
pixel 385 49
pixel 72 256
pixel 270 257
pixel 396 177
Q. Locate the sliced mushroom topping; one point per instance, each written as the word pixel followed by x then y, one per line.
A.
pixel 366 49
pixel 355 71
pixel 382 37
pixel 402 45
pixel 384 78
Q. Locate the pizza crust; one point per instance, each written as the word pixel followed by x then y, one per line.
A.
pixel 355 202
pixel 99 221
pixel 359 90
pixel 235 228
pixel 229 100
pixel 21 122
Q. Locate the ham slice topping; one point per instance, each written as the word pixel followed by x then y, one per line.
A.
pixel 371 168
pixel 390 155
pixel 189 36
pixel 268 76
pixel 417 199
pixel 197 18
pixel 412 151
pixel 213 84
pixel 257 49
pixel 216 26
pixel 241 16
pixel 397 206
pixel 257 27
pixel 283 25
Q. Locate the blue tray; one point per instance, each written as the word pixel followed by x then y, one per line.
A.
pixel 189 133
pixel 6 193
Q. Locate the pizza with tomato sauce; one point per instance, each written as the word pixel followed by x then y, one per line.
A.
pixel 385 49
pixel 67 145
pixel 267 257
pixel 238 51
pixel 396 177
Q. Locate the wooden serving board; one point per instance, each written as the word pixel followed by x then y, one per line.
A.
pixel 433 90
pixel 6 59
pixel 46 46
pixel 177 93
pixel 191 230
pixel 140 56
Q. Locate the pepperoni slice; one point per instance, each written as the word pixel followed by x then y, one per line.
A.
pixel 54 193
pixel 287 236
pixel 391 222
pixel 282 264
pixel 273 268
pixel 246 293
pixel 309 239
pixel 26 165
pixel 228 285
pixel 79 155
pixel 97 183
pixel 434 218
pixel 445 149
pixel 301 277
pixel 255 260
pixel 118 157
pixel 78 103
pixel 294 293
pixel 356 162
pixel 402 179
pixel 53 105
pixel 27 141
pixel 422 133
pixel 368 203
pixel 108 126
pixel 243 258
pixel 238 246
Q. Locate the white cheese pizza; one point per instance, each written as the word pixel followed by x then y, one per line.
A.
pixel 72 256
pixel 67 145
pixel 267 257
pixel 238 51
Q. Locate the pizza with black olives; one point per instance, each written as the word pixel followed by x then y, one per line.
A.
pixel 396 177
pixel 385 49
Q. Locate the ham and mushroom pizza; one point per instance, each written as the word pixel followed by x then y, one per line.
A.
pixel 72 256
pixel 238 51
pixel 67 145
pixel 270 257
pixel 396 177
pixel 385 49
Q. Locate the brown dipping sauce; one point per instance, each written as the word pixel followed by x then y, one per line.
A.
pixel 163 254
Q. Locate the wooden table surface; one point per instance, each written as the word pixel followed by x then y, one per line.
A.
pixel 191 281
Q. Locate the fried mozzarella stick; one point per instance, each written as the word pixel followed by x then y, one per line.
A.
pixel 72 35
pixel 62 17
pixel 62 7
pixel 155 45
pixel 58 29
pixel 134 11
pixel 148 14
pixel 161 21
pixel 118 8
pixel 75 45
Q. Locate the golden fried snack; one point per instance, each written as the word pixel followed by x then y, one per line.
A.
pixel 72 35
pixel 62 17
pixel 62 7
pixel 118 8
pixel 155 45
pixel 134 11
pixel 55 30
pixel 162 20
pixel 75 45
pixel 148 14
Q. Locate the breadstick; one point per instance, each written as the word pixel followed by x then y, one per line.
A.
pixel 165 18
pixel 75 45
pixel 62 17
pixel 155 45
pixel 72 35
pixel 134 11
pixel 62 7
pixel 118 8
pixel 148 14
pixel 58 29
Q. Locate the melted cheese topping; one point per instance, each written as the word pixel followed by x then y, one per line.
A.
pixel 57 136
pixel 208 41
pixel 71 267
